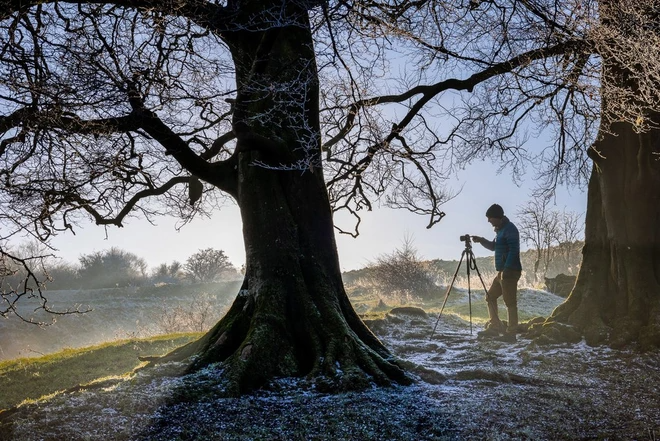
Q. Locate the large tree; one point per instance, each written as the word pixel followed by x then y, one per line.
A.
pixel 112 108
pixel 206 265
pixel 617 294
pixel 124 107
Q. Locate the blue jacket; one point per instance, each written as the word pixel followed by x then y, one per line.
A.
pixel 506 246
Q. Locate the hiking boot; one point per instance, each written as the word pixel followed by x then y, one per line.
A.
pixel 507 337
pixel 492 330
pixel 488 333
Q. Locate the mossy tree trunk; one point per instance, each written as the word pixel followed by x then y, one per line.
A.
pixel 616 298
pixel 292 316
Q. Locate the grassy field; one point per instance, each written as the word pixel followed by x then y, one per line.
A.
pixel 116 314
pixel 28 379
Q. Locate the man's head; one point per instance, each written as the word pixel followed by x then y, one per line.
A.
pixel 495 213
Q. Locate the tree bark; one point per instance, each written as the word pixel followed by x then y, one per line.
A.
pixel 292 316
pixel 616 298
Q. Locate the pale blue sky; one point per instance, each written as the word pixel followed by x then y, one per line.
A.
pixel 382 230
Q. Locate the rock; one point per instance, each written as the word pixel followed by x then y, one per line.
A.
pixel 536 320
pixel 561 285
pixel 554 333
pixel 430 376
pixel 544 340
pixel 568 334
pixel 531 325
pixel 425 374
pixel 409 310
pixel 392 319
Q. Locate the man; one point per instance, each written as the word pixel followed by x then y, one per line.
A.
pixel 507 264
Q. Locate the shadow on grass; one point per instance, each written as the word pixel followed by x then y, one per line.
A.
pixel 292 413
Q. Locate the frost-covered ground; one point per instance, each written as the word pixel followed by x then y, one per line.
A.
pixel 474 389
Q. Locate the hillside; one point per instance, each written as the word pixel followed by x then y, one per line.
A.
pixel 567 261
pixel 115 314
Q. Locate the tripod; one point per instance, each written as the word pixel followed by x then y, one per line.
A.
pixel 471 265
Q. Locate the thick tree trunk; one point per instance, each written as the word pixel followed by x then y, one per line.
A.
pixel 292 316
pixel 616 298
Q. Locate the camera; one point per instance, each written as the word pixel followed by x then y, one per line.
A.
pixel 465 238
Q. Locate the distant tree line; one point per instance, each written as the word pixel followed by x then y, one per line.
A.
pixel 115 267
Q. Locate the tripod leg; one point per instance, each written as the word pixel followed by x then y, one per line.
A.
pixel 469 297
pixel 476 268
pixel 451 285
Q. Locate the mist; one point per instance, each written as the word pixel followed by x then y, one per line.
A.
pixel 116 313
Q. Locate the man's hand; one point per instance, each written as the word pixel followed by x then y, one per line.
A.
pixel 477 239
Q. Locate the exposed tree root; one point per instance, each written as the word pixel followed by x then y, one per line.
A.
pixel 254 346
pixel 570 325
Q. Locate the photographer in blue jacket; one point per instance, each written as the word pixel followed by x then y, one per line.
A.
pixel 507 264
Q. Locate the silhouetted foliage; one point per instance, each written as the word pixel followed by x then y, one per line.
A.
pixel 164 273
pixel 208 265
pixel 111 268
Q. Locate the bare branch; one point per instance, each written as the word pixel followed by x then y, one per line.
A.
pixel 130 205
pixel 429 92
pixel 29 288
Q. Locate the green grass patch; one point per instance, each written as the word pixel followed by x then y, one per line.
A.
pixel 374 315
pixel 480 311
pixel 32 378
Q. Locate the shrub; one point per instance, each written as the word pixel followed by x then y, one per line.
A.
pixel 402 273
